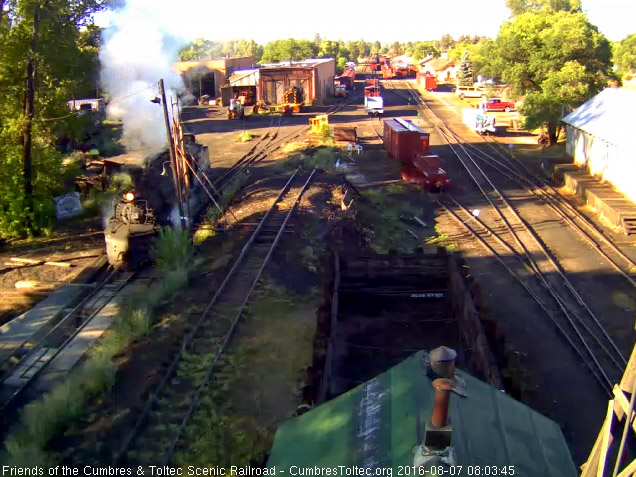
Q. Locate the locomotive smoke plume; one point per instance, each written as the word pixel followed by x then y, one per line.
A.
pixel 136 53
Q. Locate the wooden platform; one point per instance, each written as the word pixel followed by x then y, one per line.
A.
pixel 602 197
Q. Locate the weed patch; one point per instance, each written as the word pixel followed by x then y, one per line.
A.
pixel 323 159
pixel 384 211
pixel 395 189
pixel 46 418
pixel 246 136
pixel 257 384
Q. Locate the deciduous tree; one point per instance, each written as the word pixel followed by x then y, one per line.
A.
pixel 554 59
pixel 517 7
pixel 43 61
pixel 624 54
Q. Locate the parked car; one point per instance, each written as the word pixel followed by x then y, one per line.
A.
pixel 496 104
pixel 470 92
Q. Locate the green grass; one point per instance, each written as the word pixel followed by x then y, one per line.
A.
pixel 383 211
pixel 46 418
pixel 257 384
pixel 171 249
pixel 442 240
pixel 395 189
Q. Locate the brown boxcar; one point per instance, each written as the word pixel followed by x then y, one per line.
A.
pixel 404 140
pixel 347 78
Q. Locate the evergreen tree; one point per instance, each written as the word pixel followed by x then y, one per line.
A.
pixel 465 72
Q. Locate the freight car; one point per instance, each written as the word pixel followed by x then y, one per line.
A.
pixel 373 101
pixel 433 176
pixel 347 78
pixel 426 81
pixel 151 203
pixel 403 140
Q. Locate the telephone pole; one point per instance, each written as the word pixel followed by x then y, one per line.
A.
pixel 173 161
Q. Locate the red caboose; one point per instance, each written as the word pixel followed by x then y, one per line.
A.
pixel 404 140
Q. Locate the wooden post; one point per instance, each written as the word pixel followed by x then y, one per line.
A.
pixel 175 170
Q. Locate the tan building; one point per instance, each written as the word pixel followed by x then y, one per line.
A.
pixel 313 76
pixel 203 77
pixel 444 69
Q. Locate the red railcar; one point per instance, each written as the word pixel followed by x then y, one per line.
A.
pixel 404 140
pixel 372 88
pixel 347 78
pixel 387 71
pixel 427 81
pixel 434 177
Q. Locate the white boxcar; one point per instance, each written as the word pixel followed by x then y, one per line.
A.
pixel 478 121
pixel 374 104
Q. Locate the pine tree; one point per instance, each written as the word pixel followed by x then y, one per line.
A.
pixel 465 73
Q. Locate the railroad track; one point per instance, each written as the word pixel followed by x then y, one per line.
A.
pixel 31 359
pixel 541 189
pixel 374 120
pixel 516 245
pixel 263 149
pixel 159 428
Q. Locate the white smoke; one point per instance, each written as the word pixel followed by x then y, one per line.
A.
pixel 136 53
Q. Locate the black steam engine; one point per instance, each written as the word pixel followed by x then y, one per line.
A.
pixel 140 212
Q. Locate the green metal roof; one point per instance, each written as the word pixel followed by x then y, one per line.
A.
pixel 379 423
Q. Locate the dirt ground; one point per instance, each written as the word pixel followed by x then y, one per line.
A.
pixel 79 245
pixel 554 381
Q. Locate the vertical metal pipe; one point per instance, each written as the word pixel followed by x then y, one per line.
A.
pixel 175 178
pixel 443 388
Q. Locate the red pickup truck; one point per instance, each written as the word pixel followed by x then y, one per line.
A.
pixel 495 104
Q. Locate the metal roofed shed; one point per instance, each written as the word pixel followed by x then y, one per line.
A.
pixel 600 137
pixel 380 424
pixel 313 76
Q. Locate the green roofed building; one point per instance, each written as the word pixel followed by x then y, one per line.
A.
pixel 382 422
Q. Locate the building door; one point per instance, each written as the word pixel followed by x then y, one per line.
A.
pixel 280 92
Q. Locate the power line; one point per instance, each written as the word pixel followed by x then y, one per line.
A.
pixel 74 113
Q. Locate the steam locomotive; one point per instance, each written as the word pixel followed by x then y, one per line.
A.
pixel 137 215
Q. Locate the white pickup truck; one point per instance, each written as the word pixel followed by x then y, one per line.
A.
pixel 374 105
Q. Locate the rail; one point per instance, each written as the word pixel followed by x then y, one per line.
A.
pixel 228 288
pixel 261 151
pixel 68 332
pixel 566 298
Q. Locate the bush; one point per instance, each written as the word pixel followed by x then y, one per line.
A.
pixel 15 220
pixel 46 418
pixel 246 136
pixel 322 159
pixel 394 189
pixel 120 182
pixel 172 249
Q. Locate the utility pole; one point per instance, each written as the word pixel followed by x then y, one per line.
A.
pixel 173 161
pixel 27 137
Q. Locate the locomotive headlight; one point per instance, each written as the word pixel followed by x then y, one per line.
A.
pixel 129 196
